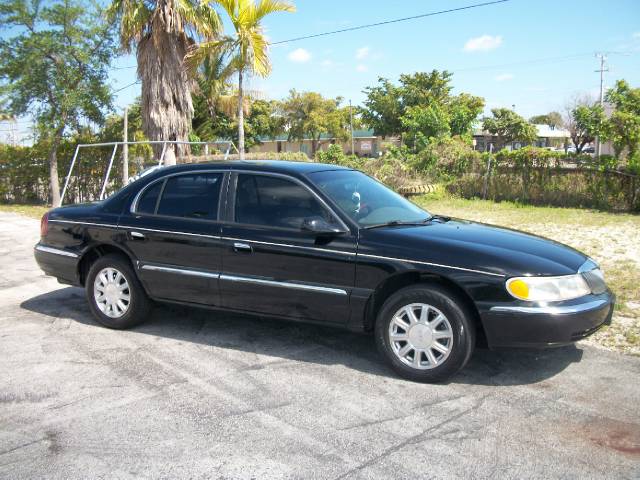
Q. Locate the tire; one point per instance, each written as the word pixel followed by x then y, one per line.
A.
pixel 134 305
pixel 455 334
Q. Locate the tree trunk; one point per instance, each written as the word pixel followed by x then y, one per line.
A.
pixel 240 117
pixel 54 181
pixel 166 103
pixel 314 145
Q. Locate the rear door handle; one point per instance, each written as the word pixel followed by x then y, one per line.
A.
pixel 242 247
pixel 137 235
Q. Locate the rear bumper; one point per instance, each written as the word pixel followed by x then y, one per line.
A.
pixel 57 262
pixel 561 323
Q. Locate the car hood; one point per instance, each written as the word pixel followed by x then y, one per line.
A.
pixel 470 245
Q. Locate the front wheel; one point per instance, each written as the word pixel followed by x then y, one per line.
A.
pixel 115 295
pixel 425 333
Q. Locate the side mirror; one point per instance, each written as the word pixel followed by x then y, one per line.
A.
pixel 319 226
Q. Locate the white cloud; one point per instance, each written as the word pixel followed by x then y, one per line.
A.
pixel 362 53
pixel 636 35
pixel 362 68
pixel 483 43
pixel 503 77
pixel 299 55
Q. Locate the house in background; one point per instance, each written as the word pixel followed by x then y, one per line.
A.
pixel 547 137
pixel 365 144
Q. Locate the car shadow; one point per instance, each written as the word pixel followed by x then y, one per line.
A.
pixel 305 342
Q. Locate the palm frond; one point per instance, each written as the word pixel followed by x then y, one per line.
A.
pixel 198 53
pixel 265 7
pixel 200 17
pixel 260 63
pixel 134 17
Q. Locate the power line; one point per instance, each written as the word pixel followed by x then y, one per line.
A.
pixel 126 86
pixel 387 22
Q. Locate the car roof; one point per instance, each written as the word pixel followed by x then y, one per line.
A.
pixel 272 166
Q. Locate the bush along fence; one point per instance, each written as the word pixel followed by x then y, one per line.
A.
pixel 24 171
pixel 541 177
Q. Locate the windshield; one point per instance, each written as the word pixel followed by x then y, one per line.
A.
pixel 365 200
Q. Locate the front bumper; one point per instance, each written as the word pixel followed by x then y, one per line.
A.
pixel 527 324
pixel 58 262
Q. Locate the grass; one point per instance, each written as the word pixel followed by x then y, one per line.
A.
pixel 33 211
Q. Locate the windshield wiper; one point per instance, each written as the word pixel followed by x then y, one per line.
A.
pixel 439 217
pixel 393 223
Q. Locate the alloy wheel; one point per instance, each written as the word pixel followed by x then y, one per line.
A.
pixel 111 292
pixel 420 336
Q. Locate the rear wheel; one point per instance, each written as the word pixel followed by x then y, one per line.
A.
pixel 115 295
pixel 425 332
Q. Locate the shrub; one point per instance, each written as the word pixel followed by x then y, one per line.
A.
pixel 445 158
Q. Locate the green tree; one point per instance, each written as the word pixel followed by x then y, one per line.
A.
pixel 419 108
pixel 383 108
pixel 54 60
pixel 623 127
pixel 552 119
pixel 586 125
pixel 310 115
pixel 508 126
pixel 247 47
pixel 161 31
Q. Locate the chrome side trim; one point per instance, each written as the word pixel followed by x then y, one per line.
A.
pixel 274 283
pixel 56 251
pixel 328 250
pixel 127 227
pixel 181 271
pixel 84 223
pixel 430 264
pixel 551 310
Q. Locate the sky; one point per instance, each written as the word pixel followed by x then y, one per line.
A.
pixel 530 55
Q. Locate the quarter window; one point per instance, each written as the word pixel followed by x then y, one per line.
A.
pixel 149 199
pixel 191 196
pixel 276 202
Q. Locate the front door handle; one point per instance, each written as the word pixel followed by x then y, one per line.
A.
pixel 242 247
pixel 137 235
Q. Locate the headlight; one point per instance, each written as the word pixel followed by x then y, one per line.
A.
pixel 548 289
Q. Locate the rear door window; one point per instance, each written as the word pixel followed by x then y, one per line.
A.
pixel 191 196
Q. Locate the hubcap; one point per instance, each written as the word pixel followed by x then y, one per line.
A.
pixel 111 292
pixel 420 336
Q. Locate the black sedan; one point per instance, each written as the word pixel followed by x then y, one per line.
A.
pixel 319 243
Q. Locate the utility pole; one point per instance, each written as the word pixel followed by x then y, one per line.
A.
pixel 603 59
pixel 351 126
pixel 125 148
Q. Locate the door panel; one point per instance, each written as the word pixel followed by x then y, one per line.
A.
pixel 287 274
pixel 179 256
pixel 279 270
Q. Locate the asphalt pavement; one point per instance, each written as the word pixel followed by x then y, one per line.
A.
pixel 199 394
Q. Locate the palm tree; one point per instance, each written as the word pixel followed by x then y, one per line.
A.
pixel 162 31
pixel 247 48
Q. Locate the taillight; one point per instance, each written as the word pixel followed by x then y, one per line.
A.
pixel 44 225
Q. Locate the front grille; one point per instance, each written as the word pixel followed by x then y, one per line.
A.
pixel 595 281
